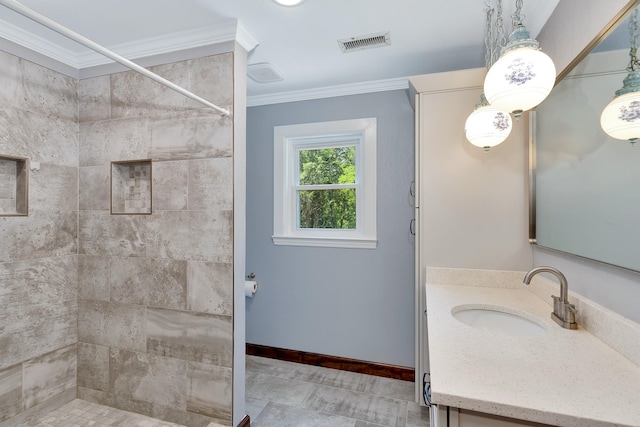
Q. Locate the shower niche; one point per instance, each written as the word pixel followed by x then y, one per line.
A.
pixel 131 187
pixel 14 186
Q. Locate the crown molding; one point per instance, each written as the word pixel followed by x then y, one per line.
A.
pixel 245 39
pixel 166 43
pixel 329 92
pixel 177 41
pixel 38 44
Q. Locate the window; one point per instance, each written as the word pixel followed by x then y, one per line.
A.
pixel 325 184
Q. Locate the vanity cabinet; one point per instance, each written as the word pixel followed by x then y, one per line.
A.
pixel 456 417
pixel 471 207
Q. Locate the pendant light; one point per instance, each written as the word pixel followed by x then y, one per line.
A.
pixel 488 126
pixel 620 119
pixel 523 76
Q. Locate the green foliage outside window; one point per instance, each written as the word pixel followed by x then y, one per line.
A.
pixel 327 208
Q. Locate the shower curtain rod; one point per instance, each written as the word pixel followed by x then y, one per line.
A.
pixel 43 20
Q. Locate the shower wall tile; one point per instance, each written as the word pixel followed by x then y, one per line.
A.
pixel 37 307
pixel 10 392
pixel 93 278
pixel 116 235
pixel 47 283
pixel 208 287
pixel 48 375
pixel 211 184
pixel 194 235
pixel 31 334
pixel 210 390
pixel 40 138
pixel 142 376
pixel 181 235
pixel 125 403
pixel 134 95
pixel 33 415
pixel 93 366
pixel 94 189
pixel 11 294
pixel 38 254
pixel 198 134
pixel 156 291
pixel 131 187
pixel 149 282
pixel 41 234
pixel 211 78
pixel 185 235
pixel 114 140
pixel 189 336
pixel 112 324
pixel 48 93
pixel 94 97
pixel 10 80
pixel 53 188
pixel 169 185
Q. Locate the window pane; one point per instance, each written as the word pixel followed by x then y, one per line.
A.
pixel 327 208
pixel 328 166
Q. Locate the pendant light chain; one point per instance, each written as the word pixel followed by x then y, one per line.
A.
pixel 501 37
pixel 516 18
pixel 488 40
pixel 634 64
pixel 495 36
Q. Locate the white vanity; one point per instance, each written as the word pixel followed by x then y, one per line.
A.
pixel 489 376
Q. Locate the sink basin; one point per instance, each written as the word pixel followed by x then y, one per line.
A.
pixel 499 319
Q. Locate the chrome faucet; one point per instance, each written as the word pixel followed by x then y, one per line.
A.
pixel 564 314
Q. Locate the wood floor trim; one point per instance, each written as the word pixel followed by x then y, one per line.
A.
pixel 335 362
pixel 246 422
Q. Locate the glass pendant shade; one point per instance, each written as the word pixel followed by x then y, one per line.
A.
pixel 487 126
pixel 522 77
pixel 620 119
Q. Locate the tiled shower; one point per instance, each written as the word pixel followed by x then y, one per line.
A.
pixel 117 287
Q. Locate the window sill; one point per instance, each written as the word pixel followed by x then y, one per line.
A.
pixel 325 242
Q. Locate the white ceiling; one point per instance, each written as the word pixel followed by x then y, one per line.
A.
pixel 426 35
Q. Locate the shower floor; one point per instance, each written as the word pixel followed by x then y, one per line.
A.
pixel 80 413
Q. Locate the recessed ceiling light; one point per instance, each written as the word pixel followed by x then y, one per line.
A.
pixel 289 3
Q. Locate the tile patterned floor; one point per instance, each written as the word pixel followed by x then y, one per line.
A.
pixel 285 394
pixel 79 413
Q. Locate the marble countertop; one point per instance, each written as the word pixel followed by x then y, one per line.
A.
pixel 564 377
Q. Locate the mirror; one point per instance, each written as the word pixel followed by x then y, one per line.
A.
pixel 587 185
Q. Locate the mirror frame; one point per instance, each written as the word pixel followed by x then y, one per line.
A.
pixel 608 29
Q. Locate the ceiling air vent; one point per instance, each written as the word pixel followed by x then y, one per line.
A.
pixel 365 42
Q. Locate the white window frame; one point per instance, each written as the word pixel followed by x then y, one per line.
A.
pixel 287 143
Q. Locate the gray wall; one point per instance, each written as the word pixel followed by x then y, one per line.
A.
pixel 353 303
pixel 38 266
